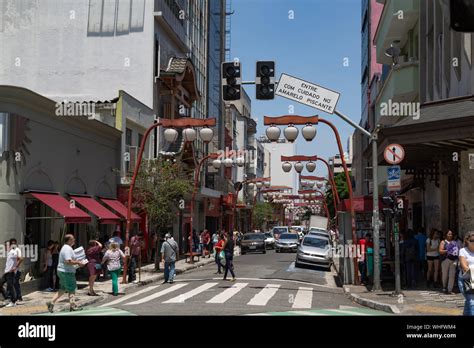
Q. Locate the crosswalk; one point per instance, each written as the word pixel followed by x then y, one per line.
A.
pixel 255 296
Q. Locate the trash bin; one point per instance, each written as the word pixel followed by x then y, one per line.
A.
pixel 370 262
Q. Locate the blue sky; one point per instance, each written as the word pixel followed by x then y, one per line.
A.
pixel 312 46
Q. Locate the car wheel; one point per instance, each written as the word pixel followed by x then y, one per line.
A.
pixel 277 251
pixel 264 251
pixel 242 253
pixel 297 264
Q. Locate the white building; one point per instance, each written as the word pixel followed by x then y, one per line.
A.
pixel 278 149
pixel 335 162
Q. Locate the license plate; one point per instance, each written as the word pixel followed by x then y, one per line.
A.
pixel 253 247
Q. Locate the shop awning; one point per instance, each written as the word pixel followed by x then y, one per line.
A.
pixel 71 215
pixel 104 215
pixel 120 209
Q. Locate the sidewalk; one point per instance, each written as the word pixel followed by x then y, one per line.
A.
pixel 414 302
pixel 35 302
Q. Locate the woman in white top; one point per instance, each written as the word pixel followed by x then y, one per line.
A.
pixel 466 260
pixel 432 257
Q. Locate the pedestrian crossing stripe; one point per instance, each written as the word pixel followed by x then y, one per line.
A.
pixel 92 311
pixel 326 312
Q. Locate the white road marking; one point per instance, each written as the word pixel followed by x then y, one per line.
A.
pixel 157 294
pixel 304 298
pixel 227 293
pixel 127 297
pixel 187 295
pixel 264 295
pixel 349 312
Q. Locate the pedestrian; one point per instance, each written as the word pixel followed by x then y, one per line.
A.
pixel 449 251
pixel 94 265
pixel 55 256
pixel 195 241
pixel 116 238
pixel 113 260
pixel 466 261
pixel 206 240
pixel 136 244
pixel 169 252
pixel 215 238
pixel 432 258
pixel 217 253
pixel 67 274
pixel 410 255
pixel 229 244
pixel 11 266
pixel 48 266
pixel 362 261
pixel 421 267
pixel 153 241
pixel 201 244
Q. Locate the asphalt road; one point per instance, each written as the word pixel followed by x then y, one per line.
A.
pixel 266 284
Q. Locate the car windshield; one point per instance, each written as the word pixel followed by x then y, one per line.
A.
pixel 253 237
pixel 268 235
pixel 289 236
pixel 279 229
pixel 315 242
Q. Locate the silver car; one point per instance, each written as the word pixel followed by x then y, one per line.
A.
pixel 269 240
pixel 313 231
pixel 287 242
pixel 314 251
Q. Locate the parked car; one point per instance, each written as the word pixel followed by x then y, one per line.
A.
pixel 253 242
pixel 269 240
pixel 315 250
pixel 278 230
pixel 287 242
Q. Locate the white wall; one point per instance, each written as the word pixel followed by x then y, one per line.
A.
pixel 279 177
pixel 52 52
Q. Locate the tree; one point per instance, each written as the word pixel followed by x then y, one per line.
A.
pixel 262 212
pixel 160 186
pixel 342 190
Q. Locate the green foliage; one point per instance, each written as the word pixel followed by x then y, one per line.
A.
pixel 262 212
pixel 160 186
pixel 342 190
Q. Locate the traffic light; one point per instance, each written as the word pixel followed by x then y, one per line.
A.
pixel 265 80
pixel 394 204
pixel 231 77
pixel 462 15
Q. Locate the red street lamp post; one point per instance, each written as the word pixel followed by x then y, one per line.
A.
pixel 259 182
pixel 176 123
pixel 335 195
pixel 309 132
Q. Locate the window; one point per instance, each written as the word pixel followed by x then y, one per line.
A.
pixel 128 137
pixel 140 138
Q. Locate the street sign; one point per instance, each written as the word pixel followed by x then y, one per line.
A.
pixel 393 178
pixel 394 153
pixel 307 93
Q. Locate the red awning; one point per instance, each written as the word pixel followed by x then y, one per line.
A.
pixel 120 209
pixel 63 207
pixel 104 215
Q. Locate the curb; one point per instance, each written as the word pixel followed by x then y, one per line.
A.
pixel 371 303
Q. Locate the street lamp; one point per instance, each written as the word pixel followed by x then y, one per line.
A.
pixel 291 133
pixel 171 135
pixel 310 166
pixel 314 120
pixel 286 166
pixel 299 167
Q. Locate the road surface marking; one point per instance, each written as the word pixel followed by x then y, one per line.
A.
pixel 227 293
pixel 127 297
pixel 157 294
pixel 92 311
pixel 303 298
pixel 187 295
pixel 260 279
pixel 264 295
pixel 349 312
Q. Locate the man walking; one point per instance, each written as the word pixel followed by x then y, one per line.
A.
pixel 169 252
pixel 136 244
pixel 11 267
pixel 67 274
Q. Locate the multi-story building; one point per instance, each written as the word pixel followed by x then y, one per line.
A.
pixel 335 162
pixel 370 76
pixel 427 109
pixel 280 148
pixel 143 59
